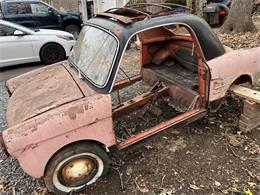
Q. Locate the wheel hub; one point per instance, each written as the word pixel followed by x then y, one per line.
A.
pixel 77 171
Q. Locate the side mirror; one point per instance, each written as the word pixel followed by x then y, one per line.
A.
pixel 50 11
pixel 18 33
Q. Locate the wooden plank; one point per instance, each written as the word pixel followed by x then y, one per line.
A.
pixel 245 92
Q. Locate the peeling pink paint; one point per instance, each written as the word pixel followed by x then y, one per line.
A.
pixel 229 67
pixel 34 141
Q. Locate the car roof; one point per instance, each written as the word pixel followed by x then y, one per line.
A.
pixel 209 42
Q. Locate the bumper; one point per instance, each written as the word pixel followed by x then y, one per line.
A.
pixel 2 143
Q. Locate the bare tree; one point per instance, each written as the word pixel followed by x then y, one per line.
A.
pixel 197 6
pixel 189 3
pixel 240 17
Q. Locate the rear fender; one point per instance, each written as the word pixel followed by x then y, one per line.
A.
pixel 231 66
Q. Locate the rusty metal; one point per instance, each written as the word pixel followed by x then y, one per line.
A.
pixel 127 132
pixel 137 103
pixel 43 92
pixel 124 19
pixel 187 117
pixel 126 82
pixel 181 96
pixel 77 170
pixel 34 141
pixel 115 12
pixel 130 9
pixel 223 73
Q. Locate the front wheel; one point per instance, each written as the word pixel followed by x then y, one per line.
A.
pixel 75 167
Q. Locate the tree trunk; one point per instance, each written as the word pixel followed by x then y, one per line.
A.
pixel 189 3
pixel 239 18
pixel 197 6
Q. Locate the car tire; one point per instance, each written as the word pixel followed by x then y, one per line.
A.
pixel 75 167
pixel 52 53
pixel 73 29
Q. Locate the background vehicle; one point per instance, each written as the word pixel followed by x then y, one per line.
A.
pixel 65 130
pixel 36 14
pixel 216 11
pixel 19 45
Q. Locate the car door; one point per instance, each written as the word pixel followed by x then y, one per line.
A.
pixel 44 16
pixel 18 12
pixel 14 49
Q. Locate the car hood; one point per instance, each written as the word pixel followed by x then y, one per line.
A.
pixel 52 32
pixel 40 91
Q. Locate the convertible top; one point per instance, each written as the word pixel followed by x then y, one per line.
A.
pixel 124 28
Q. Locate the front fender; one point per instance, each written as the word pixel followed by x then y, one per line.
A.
pixel 35 141
pixel 70 19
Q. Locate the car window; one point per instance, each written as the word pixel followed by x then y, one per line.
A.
pixel 6 30
pixel 39 8
pixel 16 8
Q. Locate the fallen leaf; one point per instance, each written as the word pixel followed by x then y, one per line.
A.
pixel 144 189
pixel 194 187
pixel 217 183
pixel 251 184
pixel 258 177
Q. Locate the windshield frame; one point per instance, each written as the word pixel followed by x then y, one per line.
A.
pixel 112 64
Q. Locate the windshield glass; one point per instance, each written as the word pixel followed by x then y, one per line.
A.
pixel 94 53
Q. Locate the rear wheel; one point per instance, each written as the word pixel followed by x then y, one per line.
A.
pixel 73 29
pixel 75 167
pixel 52 53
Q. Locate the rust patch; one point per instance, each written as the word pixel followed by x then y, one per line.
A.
pixel 28 147
pixel 49 89
pixel 73 111
pixel 117 31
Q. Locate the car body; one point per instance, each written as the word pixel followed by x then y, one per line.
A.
pixel 20 45
pixel 36 14
pixel 65 124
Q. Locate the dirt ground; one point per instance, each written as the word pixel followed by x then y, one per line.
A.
pixel 209 156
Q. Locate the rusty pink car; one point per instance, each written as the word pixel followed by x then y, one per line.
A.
pixel 61 117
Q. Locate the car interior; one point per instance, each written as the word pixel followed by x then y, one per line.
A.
pixel 165 61
pixel 6 30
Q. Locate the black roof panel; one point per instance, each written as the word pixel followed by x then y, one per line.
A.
pixel 210 44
